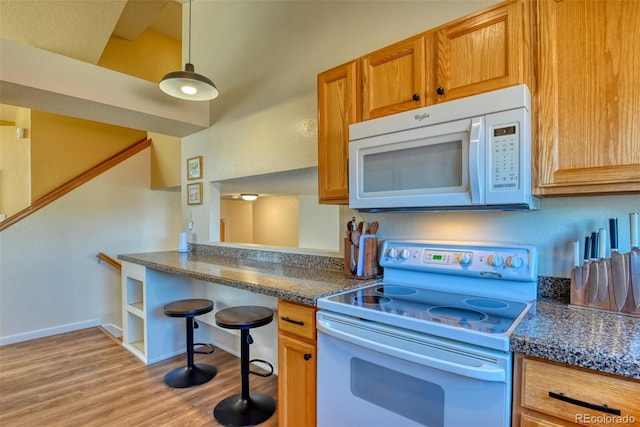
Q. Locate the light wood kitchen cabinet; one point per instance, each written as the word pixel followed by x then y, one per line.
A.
pixel 296 365
pixel 482 52
pixel 550 394
pixel 393 78
pixel 337 109
pixel 588 99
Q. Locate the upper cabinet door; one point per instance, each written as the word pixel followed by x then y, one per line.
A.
pixel 337 109
pixel 588 101
pixel 483 52
pixel 393 79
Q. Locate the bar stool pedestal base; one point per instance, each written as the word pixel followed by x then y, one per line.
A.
pixel 187 376
pixel 236 411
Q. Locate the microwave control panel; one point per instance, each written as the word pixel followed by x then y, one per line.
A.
pixel 505 154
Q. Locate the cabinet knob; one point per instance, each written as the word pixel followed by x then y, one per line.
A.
pixel 416 97
pixel 307 356
pixel 440 91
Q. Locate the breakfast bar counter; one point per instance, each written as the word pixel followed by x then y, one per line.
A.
pixel 311 278
pixel 228 275
pixel 603 341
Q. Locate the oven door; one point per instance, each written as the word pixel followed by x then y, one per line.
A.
pixel 430 166
pixel 376 375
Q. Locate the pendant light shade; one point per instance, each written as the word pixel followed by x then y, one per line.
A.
pixel 188 84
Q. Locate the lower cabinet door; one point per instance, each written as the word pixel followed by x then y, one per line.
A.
pixel 296 382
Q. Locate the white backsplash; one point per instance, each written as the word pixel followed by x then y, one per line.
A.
pixel 552 229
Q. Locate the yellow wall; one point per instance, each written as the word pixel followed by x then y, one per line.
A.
pixel 63 147
pixel 276 221
pixel 269 220
pixel 15 165
pixel 165 161
pixel 238 218
pixel 149 57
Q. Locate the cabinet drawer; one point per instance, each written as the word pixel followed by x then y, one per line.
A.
pixel 578 395
pixel 535 421
pixel 298 319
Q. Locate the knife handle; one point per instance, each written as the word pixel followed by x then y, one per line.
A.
pixel 613 233
pixel 594 245
pixel 587 248
pixel 633 228
pixel 602 243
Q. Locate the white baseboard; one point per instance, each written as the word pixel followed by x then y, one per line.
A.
pixel 41 333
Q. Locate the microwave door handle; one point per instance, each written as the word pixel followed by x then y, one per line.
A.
pixel 475 161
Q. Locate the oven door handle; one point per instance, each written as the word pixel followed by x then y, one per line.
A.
pixel 479 370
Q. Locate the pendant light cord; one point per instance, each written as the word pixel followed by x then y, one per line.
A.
pixel 189 31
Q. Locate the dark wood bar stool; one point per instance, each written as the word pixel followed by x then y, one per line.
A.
pixel 247 408
pixel 192 374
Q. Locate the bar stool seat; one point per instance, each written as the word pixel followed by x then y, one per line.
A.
pixel 192 374
pixel 246 408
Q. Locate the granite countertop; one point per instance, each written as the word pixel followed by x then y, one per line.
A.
pixel 299 283
pixel 596 339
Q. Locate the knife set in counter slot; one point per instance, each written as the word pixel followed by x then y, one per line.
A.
pixel 361 250
pixel 608 283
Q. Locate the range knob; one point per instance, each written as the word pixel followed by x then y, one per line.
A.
pixel 392 253
pixel 514 262
pixel 464 259
pixel 495 261
pixel 405 254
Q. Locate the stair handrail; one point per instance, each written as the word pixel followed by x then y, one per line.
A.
pixel 111 261
pixel 75 182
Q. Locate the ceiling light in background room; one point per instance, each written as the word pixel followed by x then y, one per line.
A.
pixel 249 197
pixel 188 84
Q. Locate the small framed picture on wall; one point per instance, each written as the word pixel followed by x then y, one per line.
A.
pixel 194 168
pixel 194 194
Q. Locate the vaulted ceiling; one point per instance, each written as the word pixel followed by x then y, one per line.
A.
pixel 80 29
pixel 259 53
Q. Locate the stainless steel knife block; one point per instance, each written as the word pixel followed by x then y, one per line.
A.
pixel 591 287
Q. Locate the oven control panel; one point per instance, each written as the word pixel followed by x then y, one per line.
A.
pixel 496 261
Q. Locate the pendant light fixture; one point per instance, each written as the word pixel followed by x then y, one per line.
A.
pixel 188 84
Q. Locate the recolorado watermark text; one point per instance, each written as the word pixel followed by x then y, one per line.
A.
pixel 605 419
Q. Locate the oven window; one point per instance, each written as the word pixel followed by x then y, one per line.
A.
pixel 403 394
pixel 436 165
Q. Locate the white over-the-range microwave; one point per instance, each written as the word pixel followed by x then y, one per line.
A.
pixel 467 154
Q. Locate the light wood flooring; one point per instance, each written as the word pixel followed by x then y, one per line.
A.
pixel 85 378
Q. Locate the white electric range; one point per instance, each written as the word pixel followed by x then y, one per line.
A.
pixel 430 344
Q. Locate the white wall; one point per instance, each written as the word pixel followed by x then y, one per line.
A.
pixel 50 278
pixel 272 126
pixel 270 123
pixel 324 218
pixel 266 131
pixel 551 229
